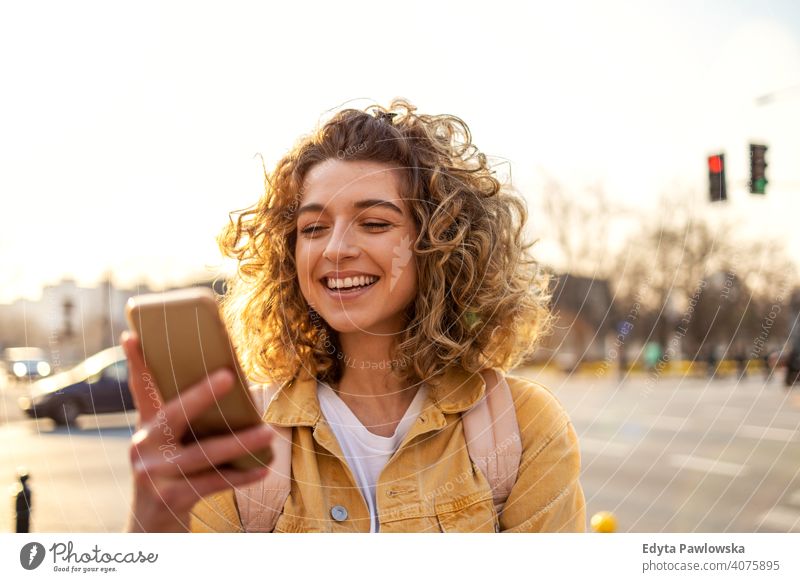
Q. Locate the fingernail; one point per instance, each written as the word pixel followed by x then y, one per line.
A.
pixel 225 373
pixel 123 337
pixel 222 377
pixel 262 429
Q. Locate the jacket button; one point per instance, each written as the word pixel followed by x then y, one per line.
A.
pixel 338 513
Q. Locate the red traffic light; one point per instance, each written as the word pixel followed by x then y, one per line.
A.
pixel 717 190
pixel 716 164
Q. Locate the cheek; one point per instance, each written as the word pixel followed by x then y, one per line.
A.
pixel 304 289
pixel 303 269
pixel 408 285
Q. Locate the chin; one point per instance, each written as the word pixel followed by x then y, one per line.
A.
pixel 341 323
pixel 359 323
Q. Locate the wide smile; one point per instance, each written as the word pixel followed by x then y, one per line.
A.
pixel 348 294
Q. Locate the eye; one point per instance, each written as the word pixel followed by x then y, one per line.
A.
pixel 311 229
pixel 375 225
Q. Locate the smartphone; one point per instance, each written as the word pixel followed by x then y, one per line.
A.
pixel 183 340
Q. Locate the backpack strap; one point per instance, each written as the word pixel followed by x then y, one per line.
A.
pixel 260 504
pixel 493 438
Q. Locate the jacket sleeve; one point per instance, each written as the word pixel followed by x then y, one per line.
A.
pixel 547 496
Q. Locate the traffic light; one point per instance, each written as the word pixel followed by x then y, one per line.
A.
pixel 758 169
pixel 716 178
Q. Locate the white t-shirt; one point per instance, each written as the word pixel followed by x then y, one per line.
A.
pixel 366 453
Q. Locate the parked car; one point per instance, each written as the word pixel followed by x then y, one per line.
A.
pixel 26 362
pixel 96 385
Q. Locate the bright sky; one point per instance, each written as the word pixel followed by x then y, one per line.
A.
pixel 128 131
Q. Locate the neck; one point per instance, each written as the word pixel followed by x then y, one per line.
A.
pixel 367 367
pixel 368 382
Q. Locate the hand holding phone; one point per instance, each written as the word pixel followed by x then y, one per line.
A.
pixel 198 431
pixel 184 339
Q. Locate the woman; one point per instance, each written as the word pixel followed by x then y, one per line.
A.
pixel 383 288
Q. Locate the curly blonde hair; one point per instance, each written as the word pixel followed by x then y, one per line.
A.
pixel 482 300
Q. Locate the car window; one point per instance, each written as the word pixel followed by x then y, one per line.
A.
pixel 117 371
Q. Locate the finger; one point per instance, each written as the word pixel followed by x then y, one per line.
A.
pixel 141 383
pixel 219 450
pixel 177 495
pixel 193 401
pixel 204 484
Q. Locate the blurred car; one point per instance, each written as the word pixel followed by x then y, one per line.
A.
pixel 26 362
pixel 96 385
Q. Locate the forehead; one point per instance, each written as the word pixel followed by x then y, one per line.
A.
pixel 337 183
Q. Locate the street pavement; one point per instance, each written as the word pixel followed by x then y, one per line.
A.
pixel 672 455
pixel 686 454
pixel 80 478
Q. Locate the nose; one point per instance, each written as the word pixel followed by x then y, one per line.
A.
pixel 342 244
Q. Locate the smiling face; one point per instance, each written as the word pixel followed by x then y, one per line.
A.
pixel 354 227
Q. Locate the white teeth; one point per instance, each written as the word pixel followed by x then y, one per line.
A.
pixel 348 282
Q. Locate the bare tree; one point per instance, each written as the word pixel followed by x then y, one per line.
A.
pixel 580 226
pixel 696 273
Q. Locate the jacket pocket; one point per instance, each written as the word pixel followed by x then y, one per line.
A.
pixel 295 524
pixel 475 517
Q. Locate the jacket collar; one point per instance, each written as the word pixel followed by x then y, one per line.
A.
pixel 296 403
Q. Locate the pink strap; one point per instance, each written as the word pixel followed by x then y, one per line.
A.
pixel 260 504
pixel 493 438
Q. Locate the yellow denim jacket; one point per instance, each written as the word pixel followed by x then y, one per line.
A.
pixel 430 483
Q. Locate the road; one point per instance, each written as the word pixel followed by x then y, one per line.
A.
pixel 677 455
pixel 80 479
pixel 687 454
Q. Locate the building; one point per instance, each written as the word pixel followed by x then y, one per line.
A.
pixel 583 320
pixel 71 322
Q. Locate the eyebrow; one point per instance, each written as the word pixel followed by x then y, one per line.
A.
pixel 368 203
